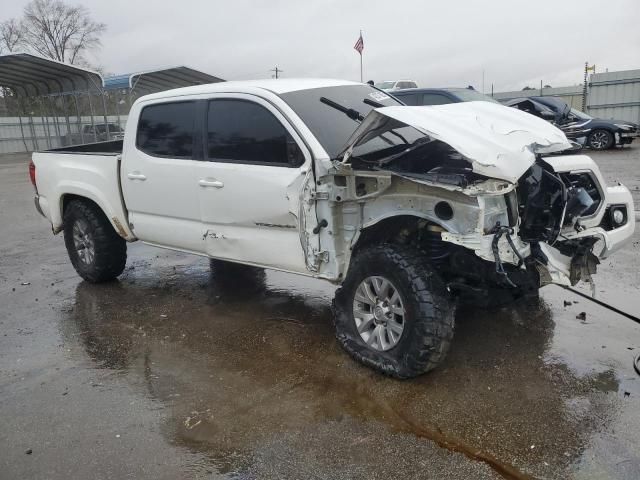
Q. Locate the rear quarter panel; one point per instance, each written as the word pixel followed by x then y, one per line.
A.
pixel 95 177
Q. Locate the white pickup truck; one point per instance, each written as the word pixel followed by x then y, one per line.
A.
pixel 408 209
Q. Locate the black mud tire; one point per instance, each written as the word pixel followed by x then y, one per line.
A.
pixel 430 311
pixel 600 139
pixel 110 249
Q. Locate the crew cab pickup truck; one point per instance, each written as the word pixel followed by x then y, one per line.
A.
pixel 409 209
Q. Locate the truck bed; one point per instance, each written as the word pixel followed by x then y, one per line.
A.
pixel 112 147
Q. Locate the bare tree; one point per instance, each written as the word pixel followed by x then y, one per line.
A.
pixel 10 35
pixel 59 31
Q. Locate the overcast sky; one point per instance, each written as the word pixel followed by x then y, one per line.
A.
pixel 437 43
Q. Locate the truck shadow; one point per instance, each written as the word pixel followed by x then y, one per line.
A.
pixel 239 361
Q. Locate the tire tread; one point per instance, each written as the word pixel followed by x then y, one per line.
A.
pixel 110 248
pixel 432 332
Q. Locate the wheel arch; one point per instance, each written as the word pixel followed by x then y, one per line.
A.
pixel 397 227
pixel 90 197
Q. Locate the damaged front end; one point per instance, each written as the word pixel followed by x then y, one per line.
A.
pixel 514 220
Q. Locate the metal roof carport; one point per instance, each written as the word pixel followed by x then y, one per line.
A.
pixel 44 82
pixel 152 81
pixel 37 76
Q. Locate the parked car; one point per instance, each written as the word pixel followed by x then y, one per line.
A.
pixel 596 133
pixel 441 96
pixel 95 133
pixel 407 209
pixel 392 85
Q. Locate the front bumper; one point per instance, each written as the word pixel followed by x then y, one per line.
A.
pixel 626 137
pixel 558 262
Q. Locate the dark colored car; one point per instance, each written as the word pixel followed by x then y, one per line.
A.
pixel 596 133
pixel 440 96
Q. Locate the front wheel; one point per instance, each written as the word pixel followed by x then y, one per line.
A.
pixel 600 139
pixel 96 251
pixel 393 313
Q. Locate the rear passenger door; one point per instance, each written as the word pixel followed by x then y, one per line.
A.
pixel 158 176
pixel 250 181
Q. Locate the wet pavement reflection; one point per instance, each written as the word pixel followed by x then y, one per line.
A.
pixel 241 359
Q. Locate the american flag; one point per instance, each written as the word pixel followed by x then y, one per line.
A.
pixel 359 46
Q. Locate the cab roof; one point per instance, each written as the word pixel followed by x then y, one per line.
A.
pixel 278 86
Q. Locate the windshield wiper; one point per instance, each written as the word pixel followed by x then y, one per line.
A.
pixel 420 142
pixel 349 112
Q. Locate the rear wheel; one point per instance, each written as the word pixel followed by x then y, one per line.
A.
pixel 600 139
pixel 96 251
pixel 393 312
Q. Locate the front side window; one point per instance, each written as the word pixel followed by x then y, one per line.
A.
pixel 166 129
pixel 243 131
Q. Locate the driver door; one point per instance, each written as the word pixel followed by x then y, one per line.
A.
pixel 250 183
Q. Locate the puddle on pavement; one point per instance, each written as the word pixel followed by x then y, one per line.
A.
pixel 238 360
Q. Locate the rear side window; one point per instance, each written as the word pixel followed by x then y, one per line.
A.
pixel 245 132
pixel 166 129
pixel 435 99
pixel 410 99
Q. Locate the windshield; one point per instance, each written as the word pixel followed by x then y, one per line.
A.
pixel 468 95
pixel 580 115
pixel 384 85
pixel 332 127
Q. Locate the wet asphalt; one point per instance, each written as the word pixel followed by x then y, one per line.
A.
pixel 178 371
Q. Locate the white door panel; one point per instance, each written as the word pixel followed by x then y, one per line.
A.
pixel 164 207
pixel 250 210
pixel 253 216
pixel 161 191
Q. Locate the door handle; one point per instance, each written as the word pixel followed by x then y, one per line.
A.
pixel 136 176
pixel 210 183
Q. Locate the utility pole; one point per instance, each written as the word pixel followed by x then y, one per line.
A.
pixel 277 70
pixel 587 68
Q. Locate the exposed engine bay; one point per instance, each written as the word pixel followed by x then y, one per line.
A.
pixel 500 209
